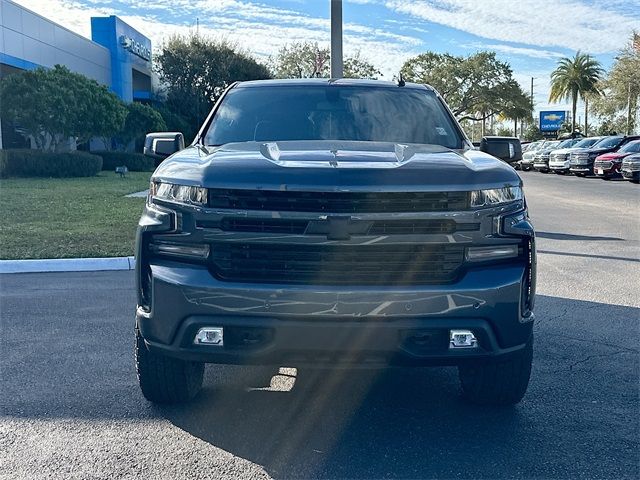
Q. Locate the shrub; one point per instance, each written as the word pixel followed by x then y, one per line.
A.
pixel 36 163
pixel 135 162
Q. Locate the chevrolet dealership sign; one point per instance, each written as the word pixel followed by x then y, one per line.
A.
pixel 135 47
pixel 552 121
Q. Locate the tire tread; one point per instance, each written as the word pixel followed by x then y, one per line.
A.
pixel 498 383
pixel 163 379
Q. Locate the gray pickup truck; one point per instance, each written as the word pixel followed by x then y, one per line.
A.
pixel 334 222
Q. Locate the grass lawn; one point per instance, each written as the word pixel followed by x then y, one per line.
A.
pixel 70 217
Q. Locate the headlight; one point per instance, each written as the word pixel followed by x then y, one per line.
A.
pixel 495 196
pixel 188 194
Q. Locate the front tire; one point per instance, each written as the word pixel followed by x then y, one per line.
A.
pixel 164 379
pixel 499 383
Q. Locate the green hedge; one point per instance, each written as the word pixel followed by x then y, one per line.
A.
pixel 135 162
pixel 36 163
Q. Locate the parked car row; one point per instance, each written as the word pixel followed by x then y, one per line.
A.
pixel 605 157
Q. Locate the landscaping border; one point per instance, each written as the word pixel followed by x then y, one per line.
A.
pixel 67 265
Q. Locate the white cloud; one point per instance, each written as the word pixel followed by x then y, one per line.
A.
pixel 595 28
pixel 509 50
pixel 260 29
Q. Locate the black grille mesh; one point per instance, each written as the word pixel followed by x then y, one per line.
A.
pixel 336 265
pixel 338 202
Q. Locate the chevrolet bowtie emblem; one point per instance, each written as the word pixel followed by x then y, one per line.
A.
pixel 338 227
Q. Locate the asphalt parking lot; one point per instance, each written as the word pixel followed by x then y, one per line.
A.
pixel 70 406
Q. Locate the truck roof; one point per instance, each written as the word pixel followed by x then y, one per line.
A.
pixel 329 81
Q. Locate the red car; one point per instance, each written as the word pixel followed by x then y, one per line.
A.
pixel 608 165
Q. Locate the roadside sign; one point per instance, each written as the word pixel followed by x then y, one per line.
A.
pixel 551 121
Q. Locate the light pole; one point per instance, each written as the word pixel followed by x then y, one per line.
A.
pixel 336 39
pixel 532 79
pixel 629 111
pixel 532 118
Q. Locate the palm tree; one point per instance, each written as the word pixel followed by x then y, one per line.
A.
pixel 575 77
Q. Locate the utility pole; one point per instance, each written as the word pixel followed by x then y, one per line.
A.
pixel 629 111
pixel 336 39
pixel 532 95
pixel 532 118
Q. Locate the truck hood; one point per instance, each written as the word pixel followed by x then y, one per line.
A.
pixel 613 155
pixel 563 151
pixel 593 151
pixel 336 166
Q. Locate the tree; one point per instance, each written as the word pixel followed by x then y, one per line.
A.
pixel 141 119
pixel 517 107
pixel 175 122
pixel 357 67
pixel 575 77
pixel 308 60
pixel 504 132
pixel 50 104
pixel 621 92
pixel 301 60
pixel 197 69
pixel 532 133
pixel 476 87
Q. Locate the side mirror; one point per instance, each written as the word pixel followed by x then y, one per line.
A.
pixel 162 144
pixel 508 149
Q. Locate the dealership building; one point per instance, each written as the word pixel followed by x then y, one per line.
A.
pixel 117 55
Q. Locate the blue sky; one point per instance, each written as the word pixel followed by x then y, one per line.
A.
pixel 530 35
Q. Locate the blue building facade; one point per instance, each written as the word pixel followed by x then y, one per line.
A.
pixel 117 55
pixel 130 54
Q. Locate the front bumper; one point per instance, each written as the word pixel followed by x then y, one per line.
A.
pixel 630 174
pixel 528 163
pixel 275 324
pixel 608 170
pixel 588 169
pixel 541 166
pixel 559 166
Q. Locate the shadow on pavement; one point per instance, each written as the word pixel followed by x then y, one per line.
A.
pixel 587 255
pixel 358 424
pixel 568 236
pixel 577 420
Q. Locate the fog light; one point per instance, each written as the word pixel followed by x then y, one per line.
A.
pixel 180 250
pixel 462 339
pixel 209 336
pixel 476 254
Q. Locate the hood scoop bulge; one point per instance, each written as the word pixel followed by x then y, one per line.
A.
pixel 336 157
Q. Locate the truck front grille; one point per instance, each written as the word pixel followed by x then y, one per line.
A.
pixel 579 158
pixel 558 157
pixel 604 164
pixel 337 264
pixel 375 227
pixel 631 165
pixel 338 202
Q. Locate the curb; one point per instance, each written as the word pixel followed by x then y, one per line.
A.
pixel 67 265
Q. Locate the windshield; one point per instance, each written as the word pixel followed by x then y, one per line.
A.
pixel 587 142
pixel 567 143
pixel 608 142
pixel 333 112
pixel 631 147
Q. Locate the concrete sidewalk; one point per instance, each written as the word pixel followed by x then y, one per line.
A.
pixel 67 265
